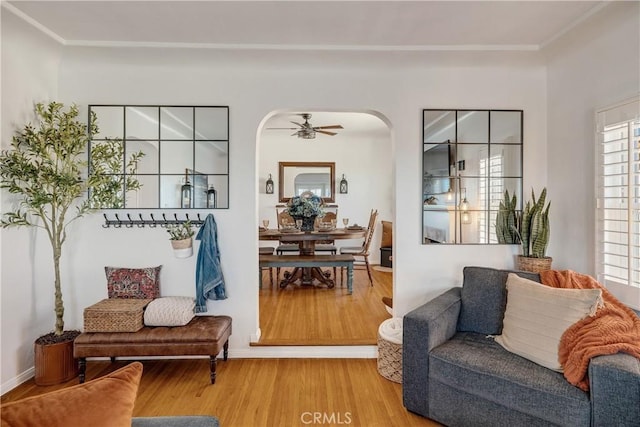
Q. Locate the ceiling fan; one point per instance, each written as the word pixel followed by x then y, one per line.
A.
pixel 307 131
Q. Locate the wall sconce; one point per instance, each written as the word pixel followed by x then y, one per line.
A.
pixel 344 185
pixel 212 197
pixel 464 204
pixel 450 195
pixel 185 191
pixel 269 186
pixel 465 216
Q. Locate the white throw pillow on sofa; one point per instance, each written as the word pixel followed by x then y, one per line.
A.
pixel 169 311
pixel 537 315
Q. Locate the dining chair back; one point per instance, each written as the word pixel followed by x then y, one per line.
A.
pixel 363 251
pixel 266 250
pixel 283 217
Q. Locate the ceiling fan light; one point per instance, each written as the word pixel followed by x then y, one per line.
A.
pixel 307 134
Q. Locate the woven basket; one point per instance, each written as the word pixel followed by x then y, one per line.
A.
pixel 390 360
pixel 181 244
pixel 534 265
pixel 115 315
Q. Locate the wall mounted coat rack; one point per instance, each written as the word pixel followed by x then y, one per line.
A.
pixel 152 222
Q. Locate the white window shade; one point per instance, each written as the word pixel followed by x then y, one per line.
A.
pixel 618 192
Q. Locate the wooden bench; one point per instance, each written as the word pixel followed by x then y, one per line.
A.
pixel 203 335
pixel 311 261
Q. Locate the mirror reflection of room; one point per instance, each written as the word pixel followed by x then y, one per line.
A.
pixel 470 157
pixel 185 161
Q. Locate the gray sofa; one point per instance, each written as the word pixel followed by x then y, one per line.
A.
pixel 455 374
pixel 183 421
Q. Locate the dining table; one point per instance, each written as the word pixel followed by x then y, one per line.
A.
pixel 306 241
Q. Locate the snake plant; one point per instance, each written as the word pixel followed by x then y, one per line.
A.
pixel 534 230
pixel 507 220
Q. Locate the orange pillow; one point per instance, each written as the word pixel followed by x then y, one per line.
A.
pixel 387 234
pixel 104 402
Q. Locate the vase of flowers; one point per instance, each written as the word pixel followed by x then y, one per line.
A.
pixel 306 207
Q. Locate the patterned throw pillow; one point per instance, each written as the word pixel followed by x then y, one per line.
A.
pixel 133 282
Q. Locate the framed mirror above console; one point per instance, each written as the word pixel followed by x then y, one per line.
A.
pixel 470 157
pixel 297 177
pixel 185 155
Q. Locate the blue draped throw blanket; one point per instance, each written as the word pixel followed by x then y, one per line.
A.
pixel 209 278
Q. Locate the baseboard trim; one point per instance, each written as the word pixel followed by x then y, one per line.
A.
pixel 17 380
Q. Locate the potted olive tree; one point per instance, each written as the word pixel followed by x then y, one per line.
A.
pixel 46 171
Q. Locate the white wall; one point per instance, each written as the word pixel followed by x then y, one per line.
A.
pixel 30 63
pixel 253 87
pixel 594 66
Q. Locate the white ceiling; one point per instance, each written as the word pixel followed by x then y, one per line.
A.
pixel 322 25
pixel 348 30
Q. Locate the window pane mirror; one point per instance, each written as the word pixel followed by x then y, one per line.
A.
pixel 184 149
pixel 470 157
pixel 297 177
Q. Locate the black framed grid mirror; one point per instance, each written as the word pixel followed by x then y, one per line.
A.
pixel 470 157
pixel 185 155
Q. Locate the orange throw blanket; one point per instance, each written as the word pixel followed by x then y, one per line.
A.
pixel 615 328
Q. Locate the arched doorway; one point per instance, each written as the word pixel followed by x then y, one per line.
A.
pixel 362 151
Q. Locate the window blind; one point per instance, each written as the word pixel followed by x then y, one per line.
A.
pixel 618 200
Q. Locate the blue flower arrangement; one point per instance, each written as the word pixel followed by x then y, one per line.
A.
pixel 305 206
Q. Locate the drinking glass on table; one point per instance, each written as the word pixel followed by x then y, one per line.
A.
pixel 345 221
pixel 265 222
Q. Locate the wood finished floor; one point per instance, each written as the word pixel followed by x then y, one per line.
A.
pixel 262 392
pixel 320 316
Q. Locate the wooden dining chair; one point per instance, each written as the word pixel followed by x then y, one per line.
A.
pixel 362 251
pixel 327 246
pixel 283 217
pixel 266 250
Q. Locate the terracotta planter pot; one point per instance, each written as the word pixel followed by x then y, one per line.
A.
pixel 534 265
pixel 54 363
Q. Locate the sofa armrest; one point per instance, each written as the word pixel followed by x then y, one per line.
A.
pixel 614 382
pixel 424 328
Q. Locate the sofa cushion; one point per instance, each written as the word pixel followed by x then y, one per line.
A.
pixel 104 402
pixel 484 298
pixel 538 315
pixel 486 373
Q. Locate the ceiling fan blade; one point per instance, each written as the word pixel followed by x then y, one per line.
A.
pixel 294 134
pixel 326 132
pixel 296 123
pixel 329 127
pixel 284 128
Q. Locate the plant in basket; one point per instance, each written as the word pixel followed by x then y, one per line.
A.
pixel 534 234
pixel 181 237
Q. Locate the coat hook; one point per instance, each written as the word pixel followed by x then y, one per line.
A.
pixel 153 223
pixel 129 224
pixel 119 224
pixel 106 221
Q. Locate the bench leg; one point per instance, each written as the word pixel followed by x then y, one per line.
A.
pixel 82 367
pixel 225 350
pixel 212 368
